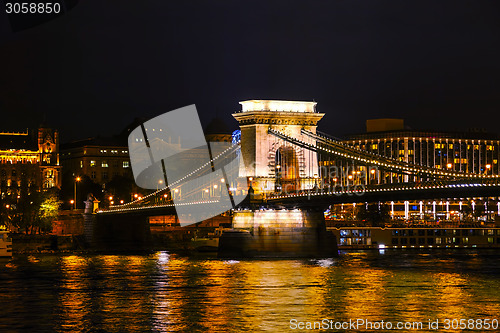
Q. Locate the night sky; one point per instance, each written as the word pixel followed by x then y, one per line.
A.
pixel 94 69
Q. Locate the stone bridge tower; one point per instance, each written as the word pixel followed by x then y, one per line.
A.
pixel 269 163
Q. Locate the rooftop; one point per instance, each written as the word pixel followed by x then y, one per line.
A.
pixel 275 105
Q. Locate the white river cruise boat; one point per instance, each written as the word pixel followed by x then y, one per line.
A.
pixel 415 237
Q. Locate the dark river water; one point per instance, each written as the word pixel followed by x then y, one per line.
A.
pixel 165 292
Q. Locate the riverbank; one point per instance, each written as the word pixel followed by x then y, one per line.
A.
pixel 179 241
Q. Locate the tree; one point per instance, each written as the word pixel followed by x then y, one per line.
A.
pixel 33 212
pixel 48 209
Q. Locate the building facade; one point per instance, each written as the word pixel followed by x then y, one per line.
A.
pixel 468 152
pixel 101 159
pixel 29 158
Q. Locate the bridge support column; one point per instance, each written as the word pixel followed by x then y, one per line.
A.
pixel 278 233
pixel 88 228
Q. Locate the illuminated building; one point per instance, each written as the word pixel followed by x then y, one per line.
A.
pixel 100 159
pixel 30 158
pixel 470 152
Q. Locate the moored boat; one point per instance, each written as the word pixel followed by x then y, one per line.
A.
pixel 416 237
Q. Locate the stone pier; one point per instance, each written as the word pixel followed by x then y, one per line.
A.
pixel 278 233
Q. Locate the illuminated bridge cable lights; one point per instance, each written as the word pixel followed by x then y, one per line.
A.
pixel 155 194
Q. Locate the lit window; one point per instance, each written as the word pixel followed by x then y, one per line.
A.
pixel 126 164
pixel 81 164
pixel 104 164
pixel 92 163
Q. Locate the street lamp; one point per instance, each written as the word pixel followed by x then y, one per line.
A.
pixel 77 180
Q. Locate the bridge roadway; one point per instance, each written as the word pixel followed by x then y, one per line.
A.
pixel 398 192
pixel 319 199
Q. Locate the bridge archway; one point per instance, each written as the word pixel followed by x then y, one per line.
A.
pixel 287 176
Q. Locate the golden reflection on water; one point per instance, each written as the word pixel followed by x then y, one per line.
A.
pixel 74 302
pixel 165 292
